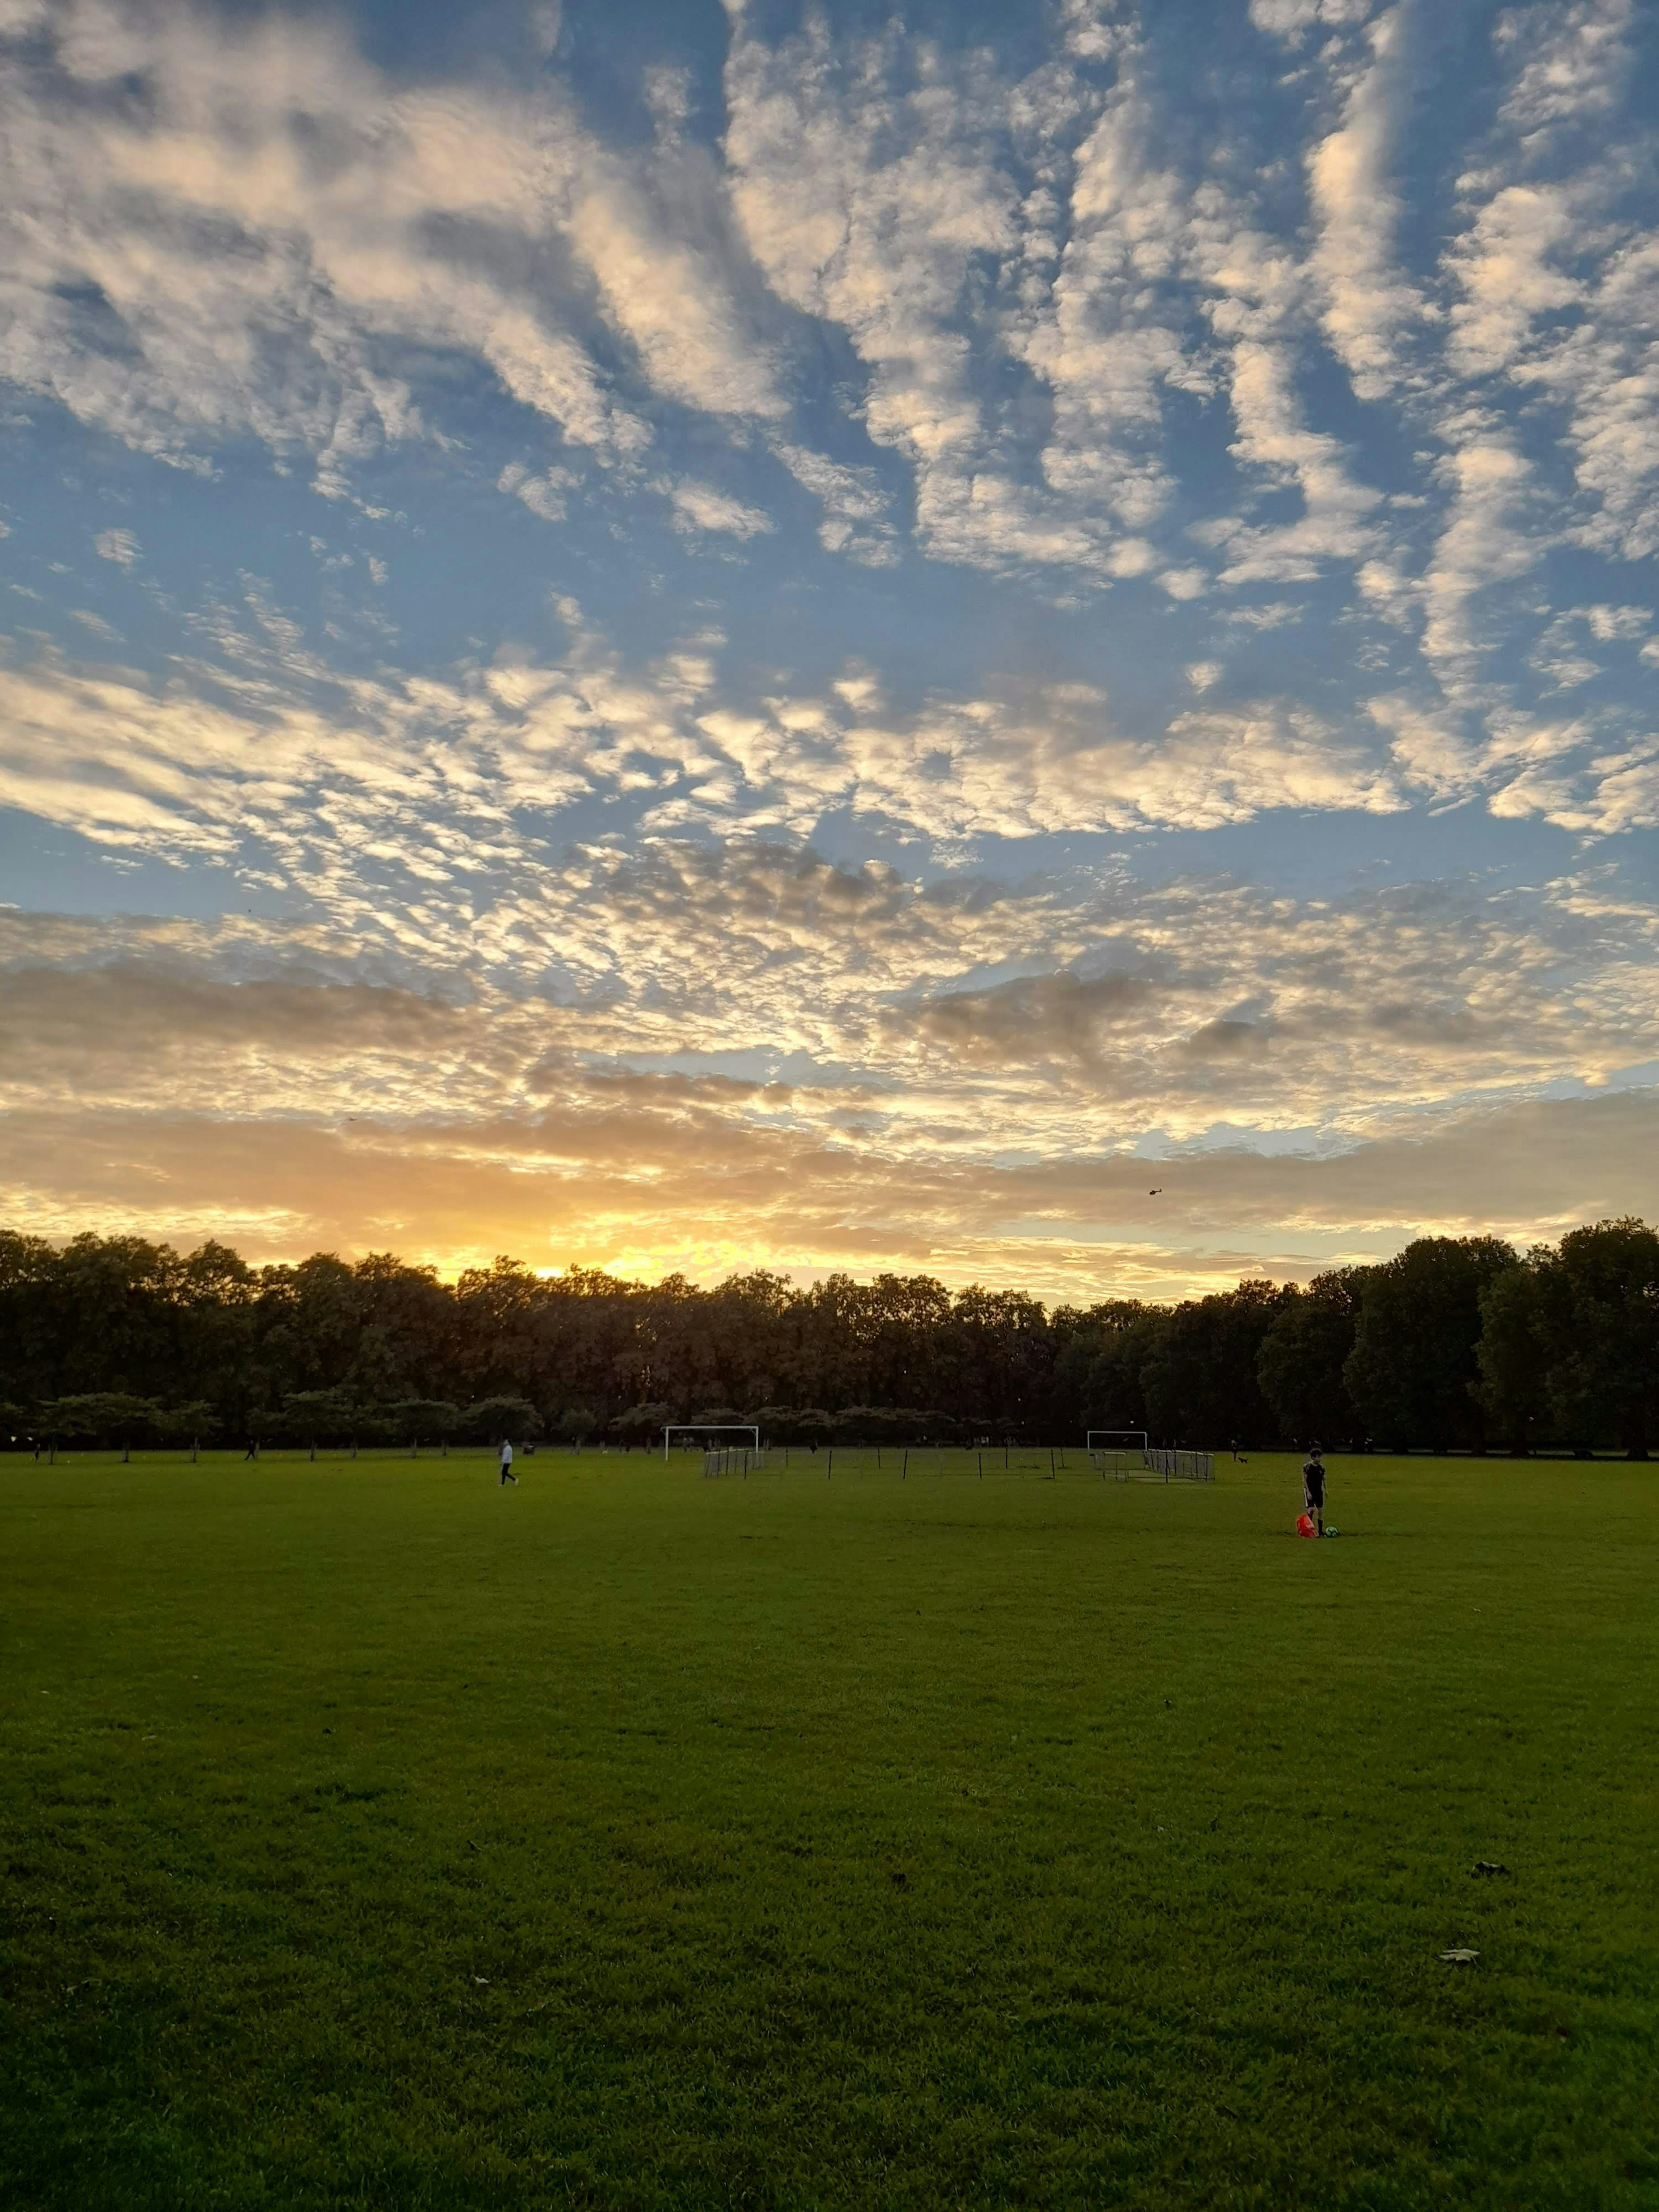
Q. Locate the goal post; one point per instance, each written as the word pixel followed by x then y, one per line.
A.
pixel 732 1459
pixel 720 1460
pixel 1126 1455
pixel 1119 1452
pixel 709 1429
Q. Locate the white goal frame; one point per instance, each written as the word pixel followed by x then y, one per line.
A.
pixel 1156 1466
pixel 709 1429
pixel 1121 1444
pixel 1139 1434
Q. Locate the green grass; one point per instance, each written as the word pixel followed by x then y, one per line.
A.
pixel 373 1837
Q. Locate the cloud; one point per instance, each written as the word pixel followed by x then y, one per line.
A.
pixel 243 249
pixel 1301 434
pixel 1574 63
pixel 869 207
pixel 1051 1015
pixel 1483 543
pixel 1334 523
pixel 1294 18
pixel 1556 271
pixel 642 1190
pixel 1368 303
pixel 701 506
pixel 1503 270
pixel 544 496
pixel 1030 1018
pixel 854 506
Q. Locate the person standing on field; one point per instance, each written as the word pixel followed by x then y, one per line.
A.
pixel 507 1475
pixel 1313 1486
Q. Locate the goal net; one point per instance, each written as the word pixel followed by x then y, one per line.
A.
pixel 695 1436
pixel 736 1459
pixel 1125 1455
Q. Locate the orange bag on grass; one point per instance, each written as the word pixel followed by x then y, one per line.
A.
pixel 1304 1526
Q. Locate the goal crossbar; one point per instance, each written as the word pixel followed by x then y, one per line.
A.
pixel 1127 1455
pixel 709 1429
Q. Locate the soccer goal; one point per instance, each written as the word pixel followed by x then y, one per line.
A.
pixel 1125 1455
pixel 723 1458
pixel 1117 1453
pixel 732 1459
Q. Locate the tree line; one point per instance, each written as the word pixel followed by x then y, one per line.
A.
pixel 1454 1344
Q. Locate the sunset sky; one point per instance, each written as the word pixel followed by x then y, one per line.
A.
pixel 683 636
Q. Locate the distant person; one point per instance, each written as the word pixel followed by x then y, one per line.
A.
pixel 1313 1486
pixel 507 1475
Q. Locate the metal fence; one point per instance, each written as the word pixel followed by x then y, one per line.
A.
pixel 738 1459
pixel 1153 1465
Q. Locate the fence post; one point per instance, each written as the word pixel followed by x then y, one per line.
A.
pixel 830 1464
pixel 982 1467
pixel 904 1471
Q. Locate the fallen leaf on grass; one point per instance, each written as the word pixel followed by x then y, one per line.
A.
pixel 482 1980
pixel 1460 1957
pixel 1487 1866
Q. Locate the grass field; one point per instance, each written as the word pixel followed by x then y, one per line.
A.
pixel 375 1837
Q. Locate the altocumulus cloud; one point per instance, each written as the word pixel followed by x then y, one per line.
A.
pixel 809 644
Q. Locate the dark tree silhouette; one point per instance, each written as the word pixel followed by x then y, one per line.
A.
pixel 1303 1355
pixel 1413 1367
pixel 123 1341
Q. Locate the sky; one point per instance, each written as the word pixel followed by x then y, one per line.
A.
pixel 1016 643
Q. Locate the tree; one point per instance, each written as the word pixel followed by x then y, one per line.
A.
pixel 494 1418
pixel 862 1424
pixel 774 1422
pixel 1599 1327
pixel 101 1416
pixel 1299 1366
pixel 190 1424
pixel 1200 1381
pixel 416 1421
pixel 329 1346
pixel 1513 1387
pixel 1102 1357
pixel 642 1424
pixel 29 1317
pixel 1413 1369
pixel 994 1358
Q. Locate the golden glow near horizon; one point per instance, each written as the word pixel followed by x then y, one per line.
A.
pixel 815 647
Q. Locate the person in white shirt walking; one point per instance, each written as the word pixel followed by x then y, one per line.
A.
pixel 507 1475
